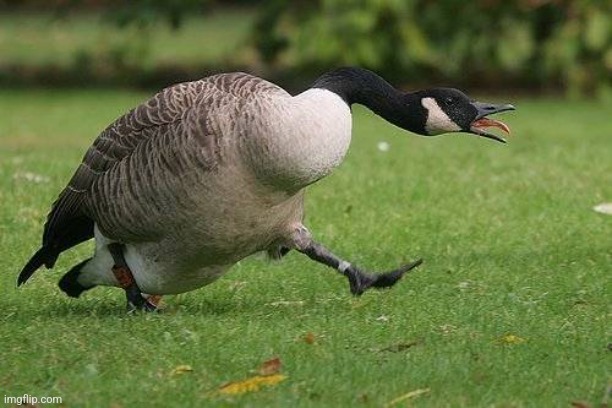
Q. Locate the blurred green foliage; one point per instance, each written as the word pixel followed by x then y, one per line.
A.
pixel 146 13
pixel 532 43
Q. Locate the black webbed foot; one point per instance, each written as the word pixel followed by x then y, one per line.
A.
pixel 144 303
pixel 360 281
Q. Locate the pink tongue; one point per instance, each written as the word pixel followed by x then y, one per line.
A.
pixel 486 122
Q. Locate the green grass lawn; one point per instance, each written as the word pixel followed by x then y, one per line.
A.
pixel 510 309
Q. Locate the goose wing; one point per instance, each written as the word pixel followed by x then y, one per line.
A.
pixel 116 143
pixel 153 124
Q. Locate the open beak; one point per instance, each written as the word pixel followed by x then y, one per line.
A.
pixel 482 122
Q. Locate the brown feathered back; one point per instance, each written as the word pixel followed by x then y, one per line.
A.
pixel 162 139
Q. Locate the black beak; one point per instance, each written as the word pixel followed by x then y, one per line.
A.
pixel 481 121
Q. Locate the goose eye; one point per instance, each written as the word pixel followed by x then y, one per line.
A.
pixel 449 100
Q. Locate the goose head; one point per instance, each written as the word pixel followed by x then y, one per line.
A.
pixel 428 112
pixel 446 110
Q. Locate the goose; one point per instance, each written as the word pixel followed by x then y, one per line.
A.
pixel 206 173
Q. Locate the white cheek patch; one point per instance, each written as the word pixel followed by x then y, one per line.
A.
pixel 437 121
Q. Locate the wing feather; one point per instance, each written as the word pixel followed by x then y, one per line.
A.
pixel 136 142
pixel 117 142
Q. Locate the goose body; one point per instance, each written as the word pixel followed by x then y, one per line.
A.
pixel 206 173
pixel 221 199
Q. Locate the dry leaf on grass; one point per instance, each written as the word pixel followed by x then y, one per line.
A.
pixel 410 395
pixel 252 384
pixel 270 367
pixel 181 369
pixel 510 339
pixel 310 338
pixel 268 375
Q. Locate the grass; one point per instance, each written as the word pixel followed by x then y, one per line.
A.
pixel 510 242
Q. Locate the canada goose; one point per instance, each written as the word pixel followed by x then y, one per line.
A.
pixel 206 173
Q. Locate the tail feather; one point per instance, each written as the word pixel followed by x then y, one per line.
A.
pixel 46 255
pixel 73 232
pixel 69 283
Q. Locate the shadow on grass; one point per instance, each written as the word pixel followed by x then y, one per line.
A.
pixel 102 306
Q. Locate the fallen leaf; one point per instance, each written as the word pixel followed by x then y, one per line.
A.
pixel 252 384
pixel 270 367
pixel 580 404
pixel 511 339
pixel 310 338
pixel 181 369
pixel 410 395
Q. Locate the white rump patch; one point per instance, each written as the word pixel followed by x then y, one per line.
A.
pixel 438 122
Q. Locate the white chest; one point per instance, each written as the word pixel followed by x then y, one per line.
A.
pixel 301 140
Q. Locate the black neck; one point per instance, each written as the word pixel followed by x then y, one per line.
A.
pixel 358 85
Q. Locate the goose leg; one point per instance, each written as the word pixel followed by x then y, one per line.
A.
pixel 359 280
pixel 135 298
